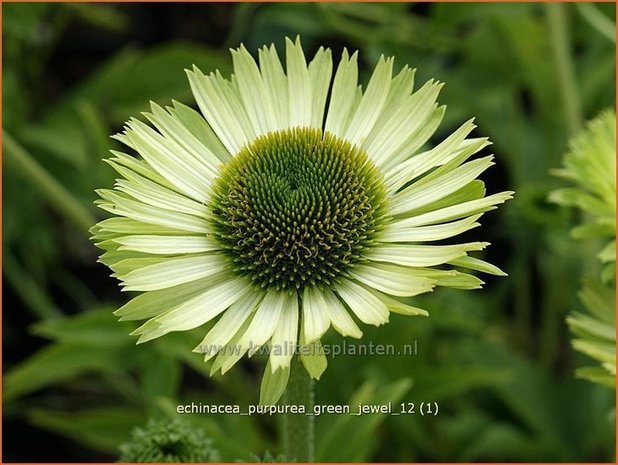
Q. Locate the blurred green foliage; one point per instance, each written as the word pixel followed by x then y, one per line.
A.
pixel 497 361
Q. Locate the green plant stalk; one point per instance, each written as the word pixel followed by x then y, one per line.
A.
pixel 40 179
pixel 298 429
pixel 560 43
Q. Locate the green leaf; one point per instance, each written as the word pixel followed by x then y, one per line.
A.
pixel 349 438
pixel 58 363
pixel 103 428
pixel 96 328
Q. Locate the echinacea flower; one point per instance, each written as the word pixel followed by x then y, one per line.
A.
pixel 590 164
pixel 292 203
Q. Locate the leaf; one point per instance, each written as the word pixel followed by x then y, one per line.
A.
pixel 58 363
pixel 103 428
pixel 348 438
pixel 96 328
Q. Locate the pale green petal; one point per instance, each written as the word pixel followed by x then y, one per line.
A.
pixel 423 193
pixel 415 140
pixel 138 166
pixel 273 384
pixel 223 112
pixel 392 279
pixel 392 131
pixel 118 204
pixel 227 326
pixel 167 244
pixel 199 128
pixel 366 306
pixel 169 272
pixel 153 303
pixel 156 195
pixel 120 225
pixel 419 164
pixel 339 316
pixel 285 336
pixel 454 212
pixel 315 320
pixel 299 85
pixel 276 83
pixel 478 265
pixel 199 309
pixel 421 255
pixel 313 358
pixel 429 233
pixel 395 306
pixel 233 351
pixel 170 160
pixel 343 94
pixel 253 91
pixel 266 319
pixel 174 130
pixel 320 71
pixel 370 106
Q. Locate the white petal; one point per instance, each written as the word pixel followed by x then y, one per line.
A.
pixel 421 255
pixel 285 337
pixel 169 272
pixel 315 314
pixel 366 306
pixel 339 316
pixel 371 104
pixel 343 94
pixel 299 85
pixel 394 280
pixel 167 244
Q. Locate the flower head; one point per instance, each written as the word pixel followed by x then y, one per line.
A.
pixel 283 215
pixel 590 164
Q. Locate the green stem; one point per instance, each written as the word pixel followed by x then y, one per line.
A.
pixel 298 428
pixel 40 179
pixel 560 44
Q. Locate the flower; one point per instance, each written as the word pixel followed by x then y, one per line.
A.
pixel 168 441
pixel 590 164
pixel 290 204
